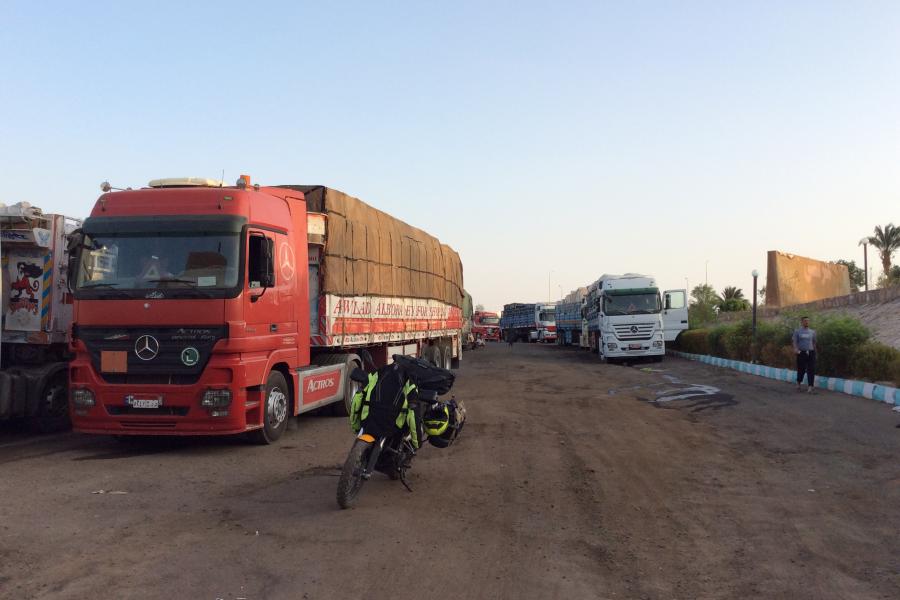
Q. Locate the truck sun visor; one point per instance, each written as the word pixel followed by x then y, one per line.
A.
pixel 170 224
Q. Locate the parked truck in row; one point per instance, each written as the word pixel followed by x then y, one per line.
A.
pixel 210 310
pixel 486 325
pixel 569 320
pixel 534 322
pixel 627 316
pixel 36 310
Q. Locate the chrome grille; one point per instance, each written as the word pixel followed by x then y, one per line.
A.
pixel 636 331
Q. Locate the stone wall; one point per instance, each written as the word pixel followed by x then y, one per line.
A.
pixel 882 296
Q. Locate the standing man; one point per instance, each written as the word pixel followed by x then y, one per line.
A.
pixel 804 341
pixel 510 339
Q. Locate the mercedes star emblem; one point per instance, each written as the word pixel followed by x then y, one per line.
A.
pixel 634 329
pixel 146 347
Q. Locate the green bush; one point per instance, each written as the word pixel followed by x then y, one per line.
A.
pixel 695 341
pixel 717 340
pixel 837 338
pixel 876 362
pixel 843 348
pixel 737 340
pixel 773 342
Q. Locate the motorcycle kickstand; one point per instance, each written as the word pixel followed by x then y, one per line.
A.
pixel 403 480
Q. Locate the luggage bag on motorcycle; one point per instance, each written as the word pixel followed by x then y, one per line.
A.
pixel 382 408
pixel 425 375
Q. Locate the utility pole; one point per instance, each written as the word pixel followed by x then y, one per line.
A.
pixel 865 244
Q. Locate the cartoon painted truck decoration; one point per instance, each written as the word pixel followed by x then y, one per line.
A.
pixel 36 316
pixel 204 309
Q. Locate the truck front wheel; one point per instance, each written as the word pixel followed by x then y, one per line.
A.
pixel 53 414
pixel 276 410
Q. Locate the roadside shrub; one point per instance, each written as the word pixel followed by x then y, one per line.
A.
pixel 695 341
pixel 716 341
pixel 838 338
pixel 773 341
pixel 737 339
pixel 876 362
pixel 843 349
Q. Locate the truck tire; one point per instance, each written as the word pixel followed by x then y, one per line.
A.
pixel 446 356
pixel 342 409
pixel 53 412
pixel 276 410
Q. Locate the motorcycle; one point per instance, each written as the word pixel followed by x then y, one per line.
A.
pixel 404 411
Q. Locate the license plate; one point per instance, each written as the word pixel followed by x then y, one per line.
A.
pixel 634 346
pixel 152 402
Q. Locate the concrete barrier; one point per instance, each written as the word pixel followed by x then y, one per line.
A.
pixel 864 389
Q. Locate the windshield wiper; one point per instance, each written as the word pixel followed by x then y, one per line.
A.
pixel 172 280
pixel 97 285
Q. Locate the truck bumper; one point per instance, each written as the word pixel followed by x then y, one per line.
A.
pixel 180 411
pixel 646 349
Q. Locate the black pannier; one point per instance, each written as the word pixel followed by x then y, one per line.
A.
pixel 425 375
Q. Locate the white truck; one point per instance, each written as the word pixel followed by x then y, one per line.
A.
pixel 36 313
pixel 627 317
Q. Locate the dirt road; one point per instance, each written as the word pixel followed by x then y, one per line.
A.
pixel 572 479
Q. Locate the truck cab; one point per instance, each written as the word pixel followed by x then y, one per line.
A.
pixel 626 317
pixel 545 318
pixel 487 325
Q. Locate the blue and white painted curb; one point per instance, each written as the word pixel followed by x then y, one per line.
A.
pixel 872 391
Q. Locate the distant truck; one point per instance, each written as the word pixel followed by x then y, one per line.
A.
pixel 569 320
pixel 487 325
pixel 36 316
pixel 529 322
pixel 467 335
pixel 627 317
pixel 204 309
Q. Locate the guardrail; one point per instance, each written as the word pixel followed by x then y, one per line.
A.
pixel 864 389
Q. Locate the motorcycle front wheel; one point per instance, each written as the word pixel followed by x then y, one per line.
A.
pixel 351 480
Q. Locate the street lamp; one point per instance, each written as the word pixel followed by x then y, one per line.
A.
pixel 753 342
pixel 865 244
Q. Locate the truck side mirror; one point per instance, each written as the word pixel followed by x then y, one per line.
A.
pixel 75 243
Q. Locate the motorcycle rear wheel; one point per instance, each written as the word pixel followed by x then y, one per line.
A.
pixel 351 481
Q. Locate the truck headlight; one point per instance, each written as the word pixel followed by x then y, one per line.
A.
pixel 216 398
pixel 612 346
pixel 83 398
pixel 658 344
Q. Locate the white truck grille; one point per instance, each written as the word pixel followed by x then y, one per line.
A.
pixel 636 331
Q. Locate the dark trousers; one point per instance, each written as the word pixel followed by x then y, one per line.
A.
pixel 806 364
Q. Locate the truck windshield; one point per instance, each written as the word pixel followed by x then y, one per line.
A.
pixel 159 261
pixel 490 320
pixel 631 304
pixel 547 315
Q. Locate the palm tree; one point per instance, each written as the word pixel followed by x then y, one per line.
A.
pixel 733 300
pixel 732 293
pixel 887 240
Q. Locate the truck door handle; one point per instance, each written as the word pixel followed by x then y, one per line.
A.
pixel 273 327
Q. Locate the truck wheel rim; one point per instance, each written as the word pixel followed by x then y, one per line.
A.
pixel 276 407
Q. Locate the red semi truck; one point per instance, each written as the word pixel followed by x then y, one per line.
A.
pixel 486 324
pixel 204 309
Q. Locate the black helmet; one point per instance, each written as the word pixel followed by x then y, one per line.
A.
pixel 456 418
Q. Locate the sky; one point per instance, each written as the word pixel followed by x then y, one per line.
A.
pixel 548 143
